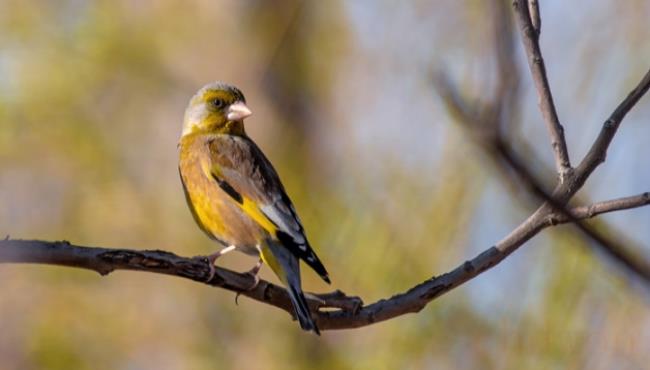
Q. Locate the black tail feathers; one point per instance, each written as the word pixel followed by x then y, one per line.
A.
pixel 301 308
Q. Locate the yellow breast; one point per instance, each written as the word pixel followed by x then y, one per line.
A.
pixel 213 210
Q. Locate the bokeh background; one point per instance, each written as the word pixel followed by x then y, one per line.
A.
pixel 390 189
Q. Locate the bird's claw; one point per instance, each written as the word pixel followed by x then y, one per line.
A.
pixel 254 273
pixel 213 271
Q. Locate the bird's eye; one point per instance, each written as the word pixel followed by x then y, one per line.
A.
pixel 218 103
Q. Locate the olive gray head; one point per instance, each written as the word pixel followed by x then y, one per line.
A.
pixel 217 108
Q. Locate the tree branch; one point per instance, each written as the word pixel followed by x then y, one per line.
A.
pixel 530 37
pixel 350 311
pixel 106 260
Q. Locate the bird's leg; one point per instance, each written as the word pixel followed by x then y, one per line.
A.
pixel 212 258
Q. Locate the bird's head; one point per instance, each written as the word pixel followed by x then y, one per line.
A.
pixel 216 108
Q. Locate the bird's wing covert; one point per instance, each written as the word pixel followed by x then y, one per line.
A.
pixel 240 168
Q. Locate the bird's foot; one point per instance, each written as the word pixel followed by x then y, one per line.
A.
pixel 254 273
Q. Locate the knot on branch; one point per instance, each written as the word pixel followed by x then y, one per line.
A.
pixel 336 299
pixel 131 258
pixel 468 266
pixel 435 291
pixel 553 219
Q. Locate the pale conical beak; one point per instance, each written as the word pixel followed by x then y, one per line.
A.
pixel 238 111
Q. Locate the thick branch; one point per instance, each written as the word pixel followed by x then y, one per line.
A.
pixel 106 260
pixel 350 314
pixel 530 37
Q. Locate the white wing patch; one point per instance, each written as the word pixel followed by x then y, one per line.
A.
pixel 287 222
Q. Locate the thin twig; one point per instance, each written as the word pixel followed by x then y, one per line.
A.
pixel 530 39
pixel 286 34
pixel 535 19
pixel 587 212
pixel 598 151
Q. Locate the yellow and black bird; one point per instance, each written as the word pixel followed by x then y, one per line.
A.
pixel 236 196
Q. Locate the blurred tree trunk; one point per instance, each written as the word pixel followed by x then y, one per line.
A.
pixel 303 48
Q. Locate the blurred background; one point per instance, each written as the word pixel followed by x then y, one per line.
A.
pixel 390 188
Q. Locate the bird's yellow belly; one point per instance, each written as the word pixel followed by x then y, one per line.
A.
pixel 216 213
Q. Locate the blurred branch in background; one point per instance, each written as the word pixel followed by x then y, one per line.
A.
pixel 295 76
pixel 286 78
